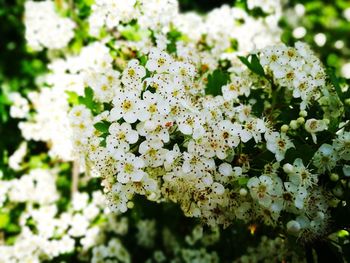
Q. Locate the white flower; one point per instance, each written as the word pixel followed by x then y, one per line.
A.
pixel 225 169
pixel 325 158
pixel 152 104
pixel 313 126
pixel 228 133
pixel 104 85
pixel 79 113
pixel 342 145
pixel 20 106
pixel 126 106
pixel 261 189
pixel 133 74
pixel 298 193
pixel 234 89
pixel 252 129
pixel 129 168
pixel 278 143
pixel 190 123
pixel 171 157
pixel 184 70
pixel 120 138
pixel 273 57
pixel 301 176
pixel 45 28
pixel 196 164
pixel 158 61
pixel 152 153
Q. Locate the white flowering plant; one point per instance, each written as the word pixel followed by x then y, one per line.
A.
pixel 179 118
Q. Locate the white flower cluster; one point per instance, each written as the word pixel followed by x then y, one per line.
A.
pixel 45 28
pixel 158 105
pixel 269 250
pixel 327 156
pixel 153 14
pixel 218 29
pixel 45 231
pixel 266 6
pixel 163 137
pixel 297 69
pixel 50 121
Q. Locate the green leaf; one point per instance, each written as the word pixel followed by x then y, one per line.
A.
pixel 173 36
pixel 134 33
pixel 87 100
pixel 254 64
pixel 243 181
pixel 4 220
pixel 73 98
pixel 102 126
pixel 215 81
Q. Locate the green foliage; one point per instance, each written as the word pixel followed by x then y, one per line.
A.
pixel 216 80
pixel 88 100
pixel 102 126
pixel 253 64
pixel 134 33
pixel 173 37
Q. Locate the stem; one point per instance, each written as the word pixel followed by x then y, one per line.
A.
pixel 309 256
pixel 75 177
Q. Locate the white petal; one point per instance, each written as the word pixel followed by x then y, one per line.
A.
pixel 130 117
pixel 137 176
pixel 123 178
pixel 132 137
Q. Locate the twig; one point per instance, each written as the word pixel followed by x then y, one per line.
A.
pixel 75 177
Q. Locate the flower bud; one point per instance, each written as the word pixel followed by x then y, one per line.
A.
pixel 243 192
pixel 130 204
pixel 334 177
pixel 293 124
pixel 293 227
pixel 288 168
pixel 284 128
pixel 338 191
pixel 301 120
pixel 303 113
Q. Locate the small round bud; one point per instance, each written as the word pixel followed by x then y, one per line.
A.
pixel 338 191
pixel 243 192
pixel 294 124
pixel 130 204
pixel 284 128
pixel 288 168
pixel 303 113
pixel 293 227
pixel 334 177
pixel 301 120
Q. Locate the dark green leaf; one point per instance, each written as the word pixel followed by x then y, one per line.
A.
pixel 215 81
pixel 102 126
pixel 254 64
